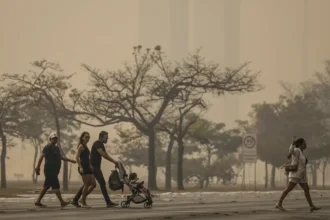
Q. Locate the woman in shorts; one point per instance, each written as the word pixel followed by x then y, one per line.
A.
pixel 84 167
pixel 298 177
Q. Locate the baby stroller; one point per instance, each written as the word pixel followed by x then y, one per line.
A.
pixel 139 193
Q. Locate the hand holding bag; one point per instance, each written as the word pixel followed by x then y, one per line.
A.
pixel 293 167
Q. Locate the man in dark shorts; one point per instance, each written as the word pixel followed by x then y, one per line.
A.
pixel 53 159
pixel 98 151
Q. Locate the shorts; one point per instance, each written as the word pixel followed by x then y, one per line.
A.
pixel 51 180
pixel 87 170
pixel 302 179
pixel 297 180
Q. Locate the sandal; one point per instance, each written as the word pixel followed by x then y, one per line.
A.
pixel 39 204
pixel 280 208
pixel 65 204
pixel 314 208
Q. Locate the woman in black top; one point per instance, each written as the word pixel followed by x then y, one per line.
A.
pixel 84 167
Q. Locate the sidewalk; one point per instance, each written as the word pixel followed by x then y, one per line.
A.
pixel 26 202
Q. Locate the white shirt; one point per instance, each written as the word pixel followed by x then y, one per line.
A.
pixel 295 151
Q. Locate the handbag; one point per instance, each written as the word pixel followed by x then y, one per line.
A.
pixel 293 167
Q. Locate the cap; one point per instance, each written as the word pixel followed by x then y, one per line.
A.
pixel 53 135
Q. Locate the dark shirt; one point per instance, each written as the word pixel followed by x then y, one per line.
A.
pixel 52 158
pixel 96 156
pixel 84 157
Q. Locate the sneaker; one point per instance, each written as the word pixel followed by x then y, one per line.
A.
pixel 65 204
pixel 312 209
pixel 280 208
pixel 85 206
pixel 38 204
pixel 76 204
pixel 112 204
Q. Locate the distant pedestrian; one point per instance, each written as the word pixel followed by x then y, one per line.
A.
pixel 98 151
pixel 52 167
pixel 85 169
pixel 297 173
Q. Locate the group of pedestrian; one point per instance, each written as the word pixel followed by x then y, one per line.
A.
pixel 89 167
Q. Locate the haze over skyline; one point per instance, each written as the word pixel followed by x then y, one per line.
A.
pixel 285 40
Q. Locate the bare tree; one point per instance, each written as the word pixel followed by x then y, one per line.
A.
pixel 176 124
pixel 10 122
pixel 47 86
pixel 141 93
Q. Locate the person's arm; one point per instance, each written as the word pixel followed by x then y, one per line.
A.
pixel 41 158
pixel 80 149
pixel 106 155
pixel 37 168
pixel 64 158
pixel 292 146
pixel 67 159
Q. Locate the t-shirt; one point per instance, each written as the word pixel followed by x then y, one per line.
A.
pixel 95 155
pixel 297 153
pixel 52 158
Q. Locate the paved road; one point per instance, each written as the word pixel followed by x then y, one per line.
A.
pixel 192 210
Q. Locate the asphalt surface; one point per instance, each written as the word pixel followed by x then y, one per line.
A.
pixel 192 210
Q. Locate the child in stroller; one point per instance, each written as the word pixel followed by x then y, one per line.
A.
pixel 139 193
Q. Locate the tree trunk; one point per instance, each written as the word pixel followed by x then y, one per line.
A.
pixel 3 158
pixel 314 175
pixel 152 168
pixel 70 169
pixel 36 151
pixel 201 183
pixel 180 164
pixel 207 181
pixel 325 163
pixel 168 166
pixel 65 163
pixel 58 130
pixel 323 177
pixel 272 181
pixel 266 175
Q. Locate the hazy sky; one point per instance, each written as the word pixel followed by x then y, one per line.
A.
pixel 283 39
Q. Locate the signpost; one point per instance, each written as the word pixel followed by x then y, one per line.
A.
pixel 249 154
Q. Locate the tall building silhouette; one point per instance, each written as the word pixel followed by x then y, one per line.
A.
pixel 305 46
pixel 179 29
pixel 216 29
pixel 182 26
pixel 231 54
pixel 154 24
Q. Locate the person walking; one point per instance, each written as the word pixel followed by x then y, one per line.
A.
pixel 85 168
pixel 297 175
pixel 52 167
pixel 98 151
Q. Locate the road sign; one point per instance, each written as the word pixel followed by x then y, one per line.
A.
pixel 249 151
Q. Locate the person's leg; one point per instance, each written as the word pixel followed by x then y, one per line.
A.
pixel 41 195
pixel 77 197
pixel 87 182
pixel 100 179
pixel 93 184
pixel 56 188
pixel 46 186
pixel 305 187
pixel 288 189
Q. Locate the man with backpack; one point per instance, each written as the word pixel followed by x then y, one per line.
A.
pixel 98 151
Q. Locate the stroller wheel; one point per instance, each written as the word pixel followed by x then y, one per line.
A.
pixel 147 205
pixel 123 204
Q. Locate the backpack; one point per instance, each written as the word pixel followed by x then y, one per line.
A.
pixel 114 181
